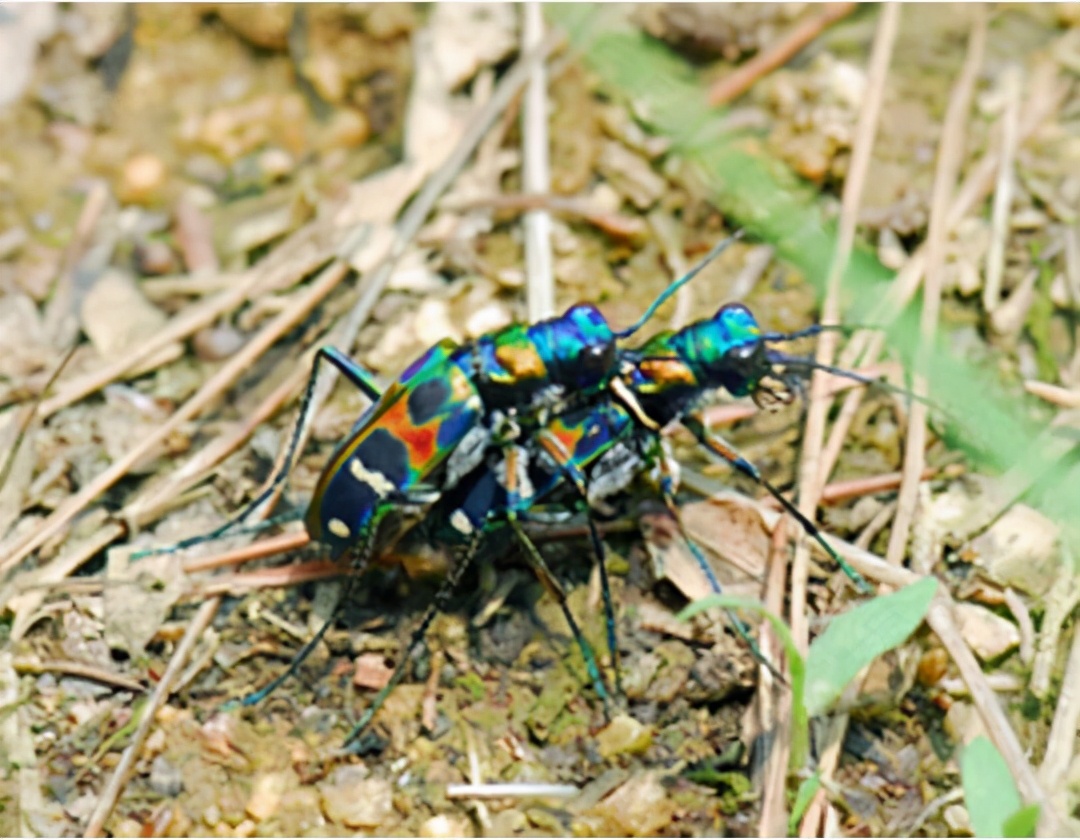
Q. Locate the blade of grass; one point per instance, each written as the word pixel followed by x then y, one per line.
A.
pixel 857 637
pixel 989 789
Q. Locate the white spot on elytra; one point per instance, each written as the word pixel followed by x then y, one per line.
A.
pixel 378 482
pixel 460 522
pixel 339 529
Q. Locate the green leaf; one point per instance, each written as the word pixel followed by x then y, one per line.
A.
pixel 989 791
pixel 803 798
pixel 855 638
pixel 800 723
pixel 1022 823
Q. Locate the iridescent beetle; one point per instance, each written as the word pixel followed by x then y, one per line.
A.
pixel 434 425
pixel 597 448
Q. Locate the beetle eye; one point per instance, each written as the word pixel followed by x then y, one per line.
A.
pixel 598 358
pixel 747 359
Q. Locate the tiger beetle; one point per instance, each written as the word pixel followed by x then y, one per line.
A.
pixel 434 424
pixel 599 447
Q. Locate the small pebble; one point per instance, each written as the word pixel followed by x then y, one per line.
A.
pixel 348 128
pixel 213 344
pixel 932 666
pixel 364 803
pixel 276 163
pixel 266 795
pixel 486 319
pixel 211 815
pixel 444 826
pixel 371 671
pixel 142 178
pixel 324 72
pixel 508 823
pixel 127 827
pixel 265 25
pixel 638 808
pixel 988 634
pixel 623 735
pixel 165 778
pixel 957 819
pixel 155 257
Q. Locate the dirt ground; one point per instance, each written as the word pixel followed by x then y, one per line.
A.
pixel 195 197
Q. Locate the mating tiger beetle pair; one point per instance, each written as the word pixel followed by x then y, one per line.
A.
pixel 472 438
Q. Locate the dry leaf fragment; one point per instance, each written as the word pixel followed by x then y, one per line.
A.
pixel 631 175
pixel 117 317
pixel 351 800
pixel 1019 550
pixel 468 36
pixel 138 598
pixel 638 808
pixel 988 634
pixel 371 671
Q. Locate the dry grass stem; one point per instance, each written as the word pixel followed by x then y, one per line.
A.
pixel 536 173
pixel 810 478
pixel 1061 742
pixel 777 55
pixel 770 712
pixel 111 792
pixel 280 544
pixel 25 665
pixel 948 166
pixel 511 790
pixel 1053 394
pixel 61 319
pixel 1012 81
pixel 271 578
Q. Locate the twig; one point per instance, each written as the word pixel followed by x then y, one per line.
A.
pixel 111 792
pixel 253 551
pixel 954 795
pixel 948 165
pixel 511 790
pixel 1020 612
pixel 839 491
pixel 614 224
pixel 299 255
pixel 77 669
pixel 772 702
pixel 742 79
pixel 536 173
pixel 149 505
pixel 942 622
pixel 278 576
pixel 1012 81
pixel 28 417
pixel 20 596
pixel 810 478
pixel 1059 603
pixel 974 190
pixel 1061 742
pixel 61 321
pixel 666 232
pixel 876 525
pixel 1053 394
